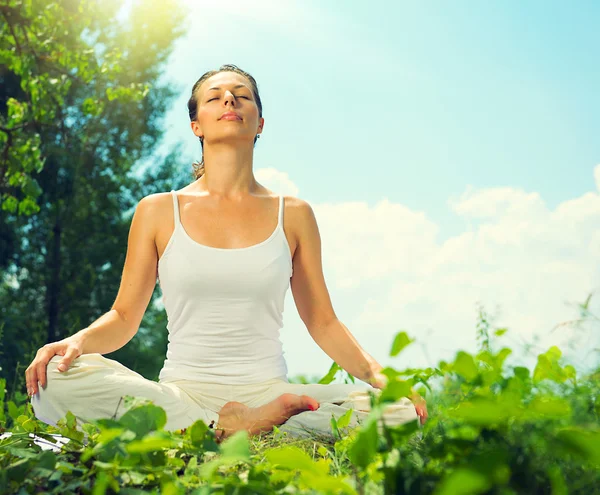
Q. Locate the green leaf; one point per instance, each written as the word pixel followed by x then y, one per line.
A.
pixel 237 445
pixel 548 368
pixel 109 434
pixel 463 481
pixel 390 372
pixel 150 443
pixel 570 372
pixel 521 372
pixel 68 427
pixel 400 342
pixel 464 365
pixel 394 390
pixel 334 427
pixel 584 443
pixel 27 423
pixel 548 407
pixel 557 481
pixel 329 377
pixel 233 449
pixel 325 484
pixel 291 457
pixel 46 460
pixel 364 447
pixel 197 433
pixel 13 410
pixel 483 412
pixel 501 357
pixel 344 420
pixel 144 419
pixel 18 470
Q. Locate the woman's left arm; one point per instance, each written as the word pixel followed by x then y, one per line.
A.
pixel 316 311
pixel 314 303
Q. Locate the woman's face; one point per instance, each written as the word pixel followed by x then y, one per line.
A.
pixel 233 93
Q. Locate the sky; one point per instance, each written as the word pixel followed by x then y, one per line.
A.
pixel 451 154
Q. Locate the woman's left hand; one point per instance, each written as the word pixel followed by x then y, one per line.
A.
pixel 380 380
pixel 420 406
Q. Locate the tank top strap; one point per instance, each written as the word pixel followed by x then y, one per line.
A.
pixel 175 208
pixel 280 216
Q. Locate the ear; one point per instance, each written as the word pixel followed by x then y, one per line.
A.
pixel 196 129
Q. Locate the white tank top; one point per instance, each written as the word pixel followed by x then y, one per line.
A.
pixel 224 307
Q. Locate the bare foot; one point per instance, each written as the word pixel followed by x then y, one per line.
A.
pixel 235 416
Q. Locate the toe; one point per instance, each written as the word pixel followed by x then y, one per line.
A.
pixel 310 403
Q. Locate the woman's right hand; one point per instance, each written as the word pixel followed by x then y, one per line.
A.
pixel 70 348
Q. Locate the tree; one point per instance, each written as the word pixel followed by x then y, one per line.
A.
pixel 82 107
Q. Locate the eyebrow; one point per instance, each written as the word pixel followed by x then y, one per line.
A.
pixel 235 87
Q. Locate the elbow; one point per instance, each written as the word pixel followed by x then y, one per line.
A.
pixel 130 325
pixel 320 326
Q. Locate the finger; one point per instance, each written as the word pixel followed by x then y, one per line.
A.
pixel 65 362
pixel 31 382
pixel 41 373
pixel 28 381
pixel 40 369
pixel 35 378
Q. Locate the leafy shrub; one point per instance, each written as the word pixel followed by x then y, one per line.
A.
pixel 491 429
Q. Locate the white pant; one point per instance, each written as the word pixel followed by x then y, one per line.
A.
pixel 93 386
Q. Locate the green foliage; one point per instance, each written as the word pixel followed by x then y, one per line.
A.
pixel 81 104
pixel 48 50
pixel 492 429
pixel 400 342
pixel 334 370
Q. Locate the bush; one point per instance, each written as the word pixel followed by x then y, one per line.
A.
pixel 492 429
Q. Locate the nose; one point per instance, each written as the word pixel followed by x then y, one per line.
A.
pixel 229 97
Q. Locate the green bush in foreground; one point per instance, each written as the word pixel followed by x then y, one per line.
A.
pixel 491 429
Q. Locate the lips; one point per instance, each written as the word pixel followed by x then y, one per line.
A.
pixel 230 114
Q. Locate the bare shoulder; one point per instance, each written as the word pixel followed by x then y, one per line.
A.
pixel 156 199
pixel 156 202
pixel 154 208
pixel 299 208
pixel 301 217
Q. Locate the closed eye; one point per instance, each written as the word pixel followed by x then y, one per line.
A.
pixel 236 97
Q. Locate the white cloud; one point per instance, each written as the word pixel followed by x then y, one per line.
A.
pixel 496 202
pixel 363 243
pixel 278 182
pixel 386 270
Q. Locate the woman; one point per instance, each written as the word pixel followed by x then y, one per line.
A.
pixel 224 262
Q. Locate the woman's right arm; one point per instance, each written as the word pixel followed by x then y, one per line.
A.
pixel 120 324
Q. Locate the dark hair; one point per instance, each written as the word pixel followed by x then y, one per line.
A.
pixel 198 168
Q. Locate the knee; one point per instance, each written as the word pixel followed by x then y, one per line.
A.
pixel 44 404
pixel 52 387
pixel 51 399
pixel 53 363
pixel 52 373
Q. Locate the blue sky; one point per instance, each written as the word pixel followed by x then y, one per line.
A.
pixel 454 127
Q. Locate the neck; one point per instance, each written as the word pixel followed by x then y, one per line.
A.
pixel 228 171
